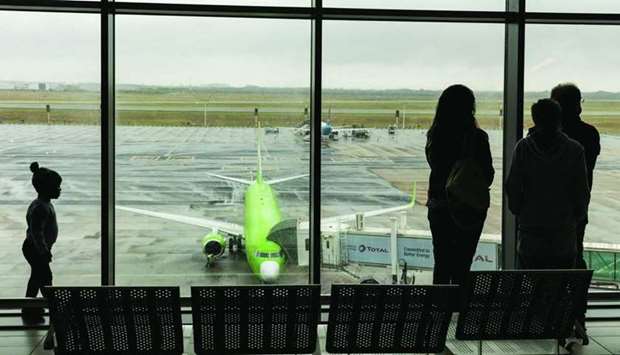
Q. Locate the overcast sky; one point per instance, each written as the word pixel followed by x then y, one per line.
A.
pixel 184 51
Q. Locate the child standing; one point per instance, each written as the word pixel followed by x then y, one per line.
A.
pixel 41 233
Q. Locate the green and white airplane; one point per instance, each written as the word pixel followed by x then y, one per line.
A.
pixel 262 217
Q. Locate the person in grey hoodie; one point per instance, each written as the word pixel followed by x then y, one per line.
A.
pixel 548 191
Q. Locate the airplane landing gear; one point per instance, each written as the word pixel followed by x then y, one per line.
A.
pixel 234 245
pixel 210 261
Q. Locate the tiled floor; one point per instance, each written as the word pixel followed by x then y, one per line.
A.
pixel 605 340
pixel 22 342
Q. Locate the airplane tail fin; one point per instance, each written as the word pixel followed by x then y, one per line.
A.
pixel 413 194
pixel 259 148
pixel 259 165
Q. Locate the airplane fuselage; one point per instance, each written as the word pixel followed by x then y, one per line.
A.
pixel 261 214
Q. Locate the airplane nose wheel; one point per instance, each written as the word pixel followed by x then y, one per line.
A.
pixel 231 246
pixel 234 245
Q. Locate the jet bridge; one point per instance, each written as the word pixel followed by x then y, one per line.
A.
pixel 372 246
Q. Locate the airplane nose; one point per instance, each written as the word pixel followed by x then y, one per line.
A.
pixel 269 271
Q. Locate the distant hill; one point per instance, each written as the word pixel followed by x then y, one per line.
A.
pixel 334 93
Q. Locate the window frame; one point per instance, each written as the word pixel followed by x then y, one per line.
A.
pixel 515 18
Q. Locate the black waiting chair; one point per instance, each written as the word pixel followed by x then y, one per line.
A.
pixel 264 319
pixel 389 318
pixel 116 320
pixel 521 304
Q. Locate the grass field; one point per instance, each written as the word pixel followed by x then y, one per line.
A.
pixel 227 108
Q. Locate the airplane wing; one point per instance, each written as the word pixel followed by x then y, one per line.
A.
pixel 229 228
pixel 349 129
pixel 228 178
pixel 277 181
pixel 352 216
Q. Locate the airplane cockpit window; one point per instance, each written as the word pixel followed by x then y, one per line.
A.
pixel 278 254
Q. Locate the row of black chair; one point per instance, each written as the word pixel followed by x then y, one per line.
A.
pixel 284 319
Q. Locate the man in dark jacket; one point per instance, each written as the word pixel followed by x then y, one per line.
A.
pixel 548 190
pixel 569 98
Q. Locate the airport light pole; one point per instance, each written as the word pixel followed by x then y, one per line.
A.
pixel 48 109
pixel 394 249
pixel 256 117
pixel 205 114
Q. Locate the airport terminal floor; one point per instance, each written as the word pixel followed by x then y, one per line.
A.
pixel 604 340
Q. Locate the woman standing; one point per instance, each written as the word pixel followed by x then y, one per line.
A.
pixel 455 146
pixel 41 233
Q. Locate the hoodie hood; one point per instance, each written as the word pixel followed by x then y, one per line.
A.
pixel 571 120
pixel 548 148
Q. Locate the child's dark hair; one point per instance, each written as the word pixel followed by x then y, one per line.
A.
pixel 44 180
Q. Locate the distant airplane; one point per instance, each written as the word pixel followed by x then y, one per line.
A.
pixel 331 133
pixel 263 233
pixel 327 131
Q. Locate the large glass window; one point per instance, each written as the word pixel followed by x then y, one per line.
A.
pixel 49 113
pixel 582 55
pixel 381 85
pixel 206 158
pixel 212 134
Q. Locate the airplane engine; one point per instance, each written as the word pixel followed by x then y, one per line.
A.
pixel 213 244
pixel 326 129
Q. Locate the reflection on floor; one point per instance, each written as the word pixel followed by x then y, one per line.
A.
pixel 605 340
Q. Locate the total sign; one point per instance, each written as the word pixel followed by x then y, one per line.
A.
pixel 416 252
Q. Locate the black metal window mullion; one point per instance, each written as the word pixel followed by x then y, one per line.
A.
pixel 107 143
pixel 72 6
pixel 514 63
pixel 329 13
pixel 315 144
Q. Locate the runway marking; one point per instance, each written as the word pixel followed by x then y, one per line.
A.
pixel 162 157
pixel 389 151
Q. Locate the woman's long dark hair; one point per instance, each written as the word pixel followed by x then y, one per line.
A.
pixel 455 115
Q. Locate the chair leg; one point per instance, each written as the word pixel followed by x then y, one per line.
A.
pixel 317 348
pixel 48 343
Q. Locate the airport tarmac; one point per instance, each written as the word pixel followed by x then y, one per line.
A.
pixel 163 169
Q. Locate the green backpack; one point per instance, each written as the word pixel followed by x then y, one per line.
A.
pixel 466 187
